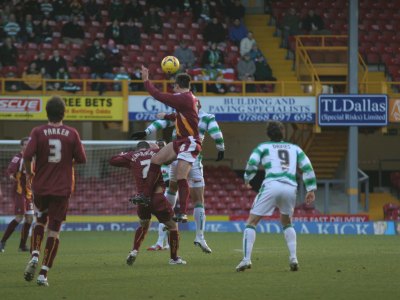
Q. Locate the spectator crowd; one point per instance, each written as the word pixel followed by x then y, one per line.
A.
pixel 97 39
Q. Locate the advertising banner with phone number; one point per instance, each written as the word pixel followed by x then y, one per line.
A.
pixel 79 108
pixel 234 109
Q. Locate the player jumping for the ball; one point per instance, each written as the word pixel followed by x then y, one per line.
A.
pixel 185 148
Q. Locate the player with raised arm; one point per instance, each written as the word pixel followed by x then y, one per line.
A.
pixel 56 147
pixel 139 162
pixel 22 199
pixel 185 148
pixel 207 123
pixel 279 188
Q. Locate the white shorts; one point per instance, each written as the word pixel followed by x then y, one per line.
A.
pixel 195 178
pixel 274 194
pixel 30 212
pixel 187 148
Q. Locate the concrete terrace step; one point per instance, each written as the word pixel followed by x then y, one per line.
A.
pixel 270 46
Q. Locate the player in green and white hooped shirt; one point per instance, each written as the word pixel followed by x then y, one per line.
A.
pixel 279 188
pixel 207 123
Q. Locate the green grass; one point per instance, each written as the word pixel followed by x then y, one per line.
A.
pixel 92 266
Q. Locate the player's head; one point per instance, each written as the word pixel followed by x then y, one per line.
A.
pixel 275 131
pixel 55 108
pixel 161 143
pixel 24 142
pixel 142 145
pixel 182 81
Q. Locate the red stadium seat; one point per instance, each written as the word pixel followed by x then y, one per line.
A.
pixel 230 187
pixel 208 193
pixel 223 211
pixel 84 69
pixel 234 206
pixel 153 68
pixel 220 205
pixel 249 193
pixel 211 211
pixel 159 76
pixel 9 69
pixel 373 59
pixel 236 193
pixel 33 46
pixel 212 200
pixel 221 193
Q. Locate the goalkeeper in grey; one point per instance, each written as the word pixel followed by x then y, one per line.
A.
pixel 279 188
pixel 207 123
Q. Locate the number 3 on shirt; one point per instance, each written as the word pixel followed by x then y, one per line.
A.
pixel 55 151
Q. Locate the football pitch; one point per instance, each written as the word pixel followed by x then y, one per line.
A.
pixel 91 265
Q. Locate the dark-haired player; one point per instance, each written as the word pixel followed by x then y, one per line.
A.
pixel 279 188
pixel 187 145
pixel 22 199
pixel 56 148
pixel 139 162
pixel 208 124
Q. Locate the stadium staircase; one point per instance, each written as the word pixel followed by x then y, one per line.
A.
pixel 377 201
pixel 375 78
pixel 327 150
pixel 276 56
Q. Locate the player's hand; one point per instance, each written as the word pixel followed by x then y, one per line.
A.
pixel 145 73
pixel 310 197
pixel 161 115
pixel 139 135
pixel 220 155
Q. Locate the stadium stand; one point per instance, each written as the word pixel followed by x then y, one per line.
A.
pixel 378 39
pixel 153 47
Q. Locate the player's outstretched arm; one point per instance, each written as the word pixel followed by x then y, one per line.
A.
pixel 121 160
pixel 153 127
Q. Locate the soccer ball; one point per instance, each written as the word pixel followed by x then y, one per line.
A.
pixel 170 64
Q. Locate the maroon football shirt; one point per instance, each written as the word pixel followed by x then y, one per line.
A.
pixel 138 162
pixel 185 104
pixel 56 148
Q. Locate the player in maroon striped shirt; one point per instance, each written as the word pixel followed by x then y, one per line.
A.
pixel 56 147
pixel 139 162
pixel 22 198
pixel 187 145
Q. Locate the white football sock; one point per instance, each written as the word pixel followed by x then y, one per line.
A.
pixel 249 237
pixel 199 215
pixel 161 234
pixel 290 237
pixel 171 197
